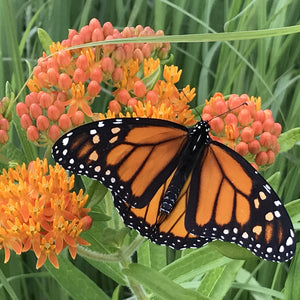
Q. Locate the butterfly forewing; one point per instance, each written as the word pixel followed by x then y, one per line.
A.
pixel 238 206
pixel 131 157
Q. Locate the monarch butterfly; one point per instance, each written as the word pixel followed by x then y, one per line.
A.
pixel 178 187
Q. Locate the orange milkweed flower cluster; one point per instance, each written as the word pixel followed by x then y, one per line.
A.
pixel 65 84
pixel 39 213
pixel 143 97
pixel 247 129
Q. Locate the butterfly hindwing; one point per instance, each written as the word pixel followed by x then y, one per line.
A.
pixel 132 157
pixel 159 228
pixel 238 206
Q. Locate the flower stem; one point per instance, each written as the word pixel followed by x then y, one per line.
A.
pixel 122 254
pixel 124 257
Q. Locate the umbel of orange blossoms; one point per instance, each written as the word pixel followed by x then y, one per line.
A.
pixel 248 129
pixel 149 97
pixel 39 213
pixel 65 84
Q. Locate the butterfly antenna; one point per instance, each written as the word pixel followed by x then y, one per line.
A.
pixel 224 113
pixel 194 108
pixel 229 110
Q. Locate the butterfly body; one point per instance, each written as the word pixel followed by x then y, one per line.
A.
pixel 198 138
pixel 179 188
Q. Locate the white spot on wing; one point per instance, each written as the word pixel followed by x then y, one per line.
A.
pixel 277 214
pixel 289 241
pixel 65 141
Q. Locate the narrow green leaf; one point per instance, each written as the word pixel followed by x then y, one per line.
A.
pixel 196 38
pixel 88 6
pixel 75 282
pixel 45 40
pixel 9 289
pixel 152 78
pixel 292 290
pixel 218 281
pixel 195 263
pixel 116 293
pixel 246 281
pixel 14 153
pixel 233 251
pixel 274 181
pixel 29 28
pixel 143 254
pixel 293 209
pixel 94 189
pixel 28 148
pixel 152 255
pixel 10 37
pixel 159 284
pixel 111 270
pixel 288 139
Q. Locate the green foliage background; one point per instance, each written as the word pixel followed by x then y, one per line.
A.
pixel 266 67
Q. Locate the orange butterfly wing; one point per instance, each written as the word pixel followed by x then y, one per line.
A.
pixel 238 206
pixel 131 157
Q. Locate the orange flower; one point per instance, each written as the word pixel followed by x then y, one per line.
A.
pixel 47 250
pixel 150 65
pixel 245 128
pixel 39 213
pixel 79 100
pixel 161 99
pixel 171 74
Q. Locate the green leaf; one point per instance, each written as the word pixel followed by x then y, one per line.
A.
pixel 152 255
pixel 288 139
pixel 292 290
pixel 159 284
pixel 293 209
pixel 168 61
pixel 201 37
pixel 29 26
pixel 275 180
pixel 110 269
pixel 45 40
pixel 246 282
pixel 114 238
pixel 116 293
pixel 152 78
pixel 74 282
pixel 99 216
pixel 94 189
pixel 28 147
pixel 14 153
pixel 233 251
pixel 195 263
pixel 218 281
pixel 7 286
